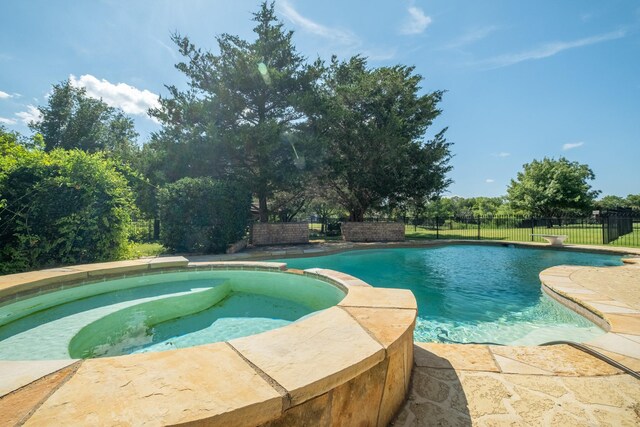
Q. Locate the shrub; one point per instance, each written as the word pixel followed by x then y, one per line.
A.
pixel 62 207
pixel 203 215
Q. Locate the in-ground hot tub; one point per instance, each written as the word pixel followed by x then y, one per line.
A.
pixel 348 362
pixel 157 312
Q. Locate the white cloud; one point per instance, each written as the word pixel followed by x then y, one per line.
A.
pixel 6 121
pixel 549 49
pixel 5 95
pixel 417 22
pixel 571 146
pixel 120 95
pixel 470 37
pixel 503 154
pixel 489 180
pixel 333 34
pixel 31 115
pixel 343 40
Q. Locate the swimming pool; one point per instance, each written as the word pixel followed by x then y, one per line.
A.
pixel 470 293
pixel 157 312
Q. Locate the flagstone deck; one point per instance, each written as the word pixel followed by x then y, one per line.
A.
pixel 468 385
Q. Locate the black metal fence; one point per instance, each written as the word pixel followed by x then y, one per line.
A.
pixel 620 228
pixel 616 223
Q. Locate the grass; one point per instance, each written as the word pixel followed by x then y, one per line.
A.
pixel 580 234
pixel 577 235
pixel 139 250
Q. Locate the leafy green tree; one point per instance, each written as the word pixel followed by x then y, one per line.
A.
pixel 611 202
pixel 372 123
pixel 633 201
pixel 71 119
pixel 203 215
pixel 552 188
pixel 242 109
pixel 61 207
pixel 485 206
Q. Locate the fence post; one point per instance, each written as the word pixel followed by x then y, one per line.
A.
pixel 604 233
pixel 437 228
pixel 532 229
pixel 478 228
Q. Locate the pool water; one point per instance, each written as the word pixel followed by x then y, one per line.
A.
pixel 157 312
pixel 469 293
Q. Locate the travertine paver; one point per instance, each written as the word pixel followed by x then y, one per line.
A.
pixel 359 296
pixel 556 360
pixel 386 325
pixel 477 395
pixel 164 388
pixel 329 342
pixel 461 357
pixel 16 407
pixel 618 286
pixel 19 373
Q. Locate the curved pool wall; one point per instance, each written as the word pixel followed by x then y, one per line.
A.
pixel 157 312
pixel 473 293
pixel 347 364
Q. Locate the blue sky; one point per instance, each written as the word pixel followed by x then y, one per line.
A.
pixel 524 80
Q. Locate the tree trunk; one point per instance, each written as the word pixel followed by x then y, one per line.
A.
pixel 356 216
pixel 262 208
pixel 156 229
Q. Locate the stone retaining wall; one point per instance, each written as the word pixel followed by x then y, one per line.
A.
pixel 280 233
pixel 373 231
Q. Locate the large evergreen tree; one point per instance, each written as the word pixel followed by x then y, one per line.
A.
pixel 241 111
pixel 372 122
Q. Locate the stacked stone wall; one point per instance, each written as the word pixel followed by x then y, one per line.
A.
pixel 373 231
pixel 280 233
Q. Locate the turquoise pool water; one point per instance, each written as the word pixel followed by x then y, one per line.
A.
pixel 470 293
pixel 157 312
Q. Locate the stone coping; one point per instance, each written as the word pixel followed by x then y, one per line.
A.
pixel 350 363
pixel 608 296
pixel 16 286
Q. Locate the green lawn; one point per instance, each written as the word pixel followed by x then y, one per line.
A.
pixel 139 250
pixel 591 235
pixel 578 234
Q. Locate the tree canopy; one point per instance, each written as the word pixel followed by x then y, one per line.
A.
pixel 242 109
pixel 372 124
pixel 60 207
pixel 71 119
pixel 613 202
pixel 553 188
